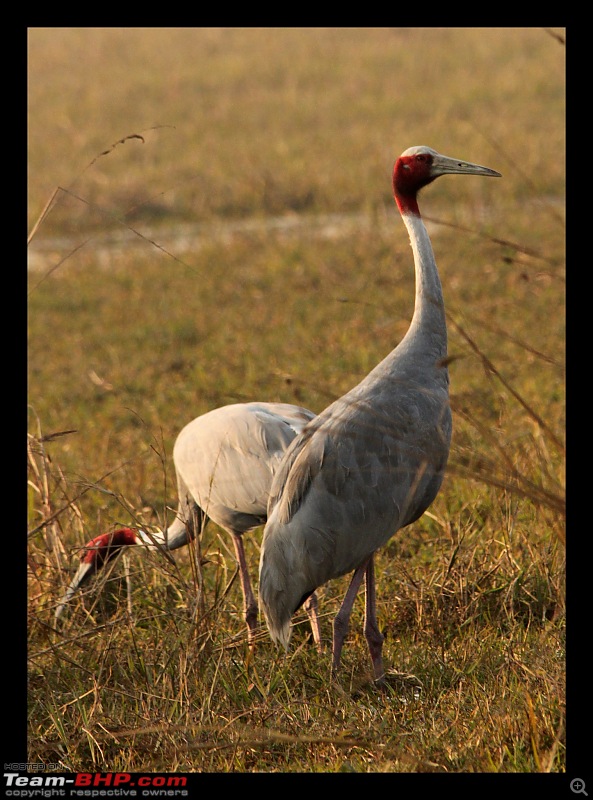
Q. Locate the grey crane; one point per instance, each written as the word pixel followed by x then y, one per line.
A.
pixel 224 463
pixel 373 461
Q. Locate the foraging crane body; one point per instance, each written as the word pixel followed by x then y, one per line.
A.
pixel 224 462
pixel 374 460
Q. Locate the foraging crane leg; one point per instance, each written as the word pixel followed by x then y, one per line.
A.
pixel 249 601
pixel 250 608
pixel 342 618
pixel 372 633
pixel 311 607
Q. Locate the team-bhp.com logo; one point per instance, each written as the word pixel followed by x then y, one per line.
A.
pixel 86 784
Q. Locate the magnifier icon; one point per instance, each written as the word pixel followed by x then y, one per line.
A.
pixel 577 785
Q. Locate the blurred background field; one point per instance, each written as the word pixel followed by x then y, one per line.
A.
pixel 211 221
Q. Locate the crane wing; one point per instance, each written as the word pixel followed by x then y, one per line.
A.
pixel 227 458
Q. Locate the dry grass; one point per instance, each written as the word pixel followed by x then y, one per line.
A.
pixel 151 671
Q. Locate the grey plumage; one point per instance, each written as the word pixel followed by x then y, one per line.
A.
pixel 224 463
pixel 373 461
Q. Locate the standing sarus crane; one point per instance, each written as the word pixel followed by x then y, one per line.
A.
pixel 373 461
pixel 224 463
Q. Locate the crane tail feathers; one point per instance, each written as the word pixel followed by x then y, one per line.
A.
pixel 280 634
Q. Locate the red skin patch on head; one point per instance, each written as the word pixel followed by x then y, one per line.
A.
pixel 410 174
pixel 103 547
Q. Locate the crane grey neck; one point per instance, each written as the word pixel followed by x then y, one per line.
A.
pixel 174 537
pixel 428 322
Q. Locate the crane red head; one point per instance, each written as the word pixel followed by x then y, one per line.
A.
pixel 419 166
pixel 103 548
pixel 94 556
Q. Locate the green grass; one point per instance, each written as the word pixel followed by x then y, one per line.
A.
pixel 151 673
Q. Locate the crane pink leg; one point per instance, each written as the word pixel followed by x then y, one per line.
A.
pixel 249 601
pixel 342 618
pixel 372 633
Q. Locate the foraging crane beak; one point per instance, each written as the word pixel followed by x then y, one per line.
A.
pixel 83 573
pixel 443 165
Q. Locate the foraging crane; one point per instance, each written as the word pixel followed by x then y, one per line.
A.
pixel 373 461
pixel 224 462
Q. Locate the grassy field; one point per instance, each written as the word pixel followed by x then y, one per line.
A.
pixel 223 134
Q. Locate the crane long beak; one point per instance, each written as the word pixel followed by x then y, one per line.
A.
pixel 84 572
pixel 443 165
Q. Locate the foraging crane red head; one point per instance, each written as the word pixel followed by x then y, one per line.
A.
pixel 103 548
pixel 94 556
